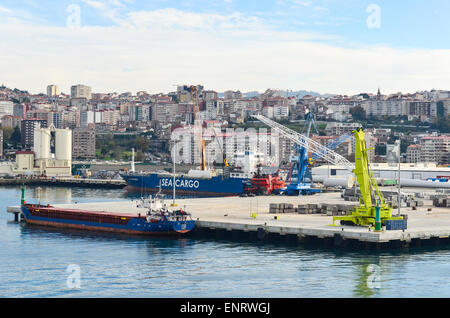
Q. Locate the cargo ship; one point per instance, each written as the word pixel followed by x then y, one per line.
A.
pixel 195 182
pixel 155 222
pixel 229 181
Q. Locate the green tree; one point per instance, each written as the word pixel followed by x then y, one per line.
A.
pixel 442 124
pixel 140 156
pixel 358 113
pixel 16 137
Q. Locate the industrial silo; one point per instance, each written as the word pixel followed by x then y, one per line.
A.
pixel 63 144
pixel 42 138
pixel 45 144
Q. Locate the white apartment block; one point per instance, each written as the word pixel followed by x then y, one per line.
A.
pixel 377 108
pixel 281 111
pixel 338 129
pixel 435 149
pixel 267 111
pixel 6 108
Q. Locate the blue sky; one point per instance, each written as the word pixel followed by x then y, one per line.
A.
pixel 329 32
pixel 404 23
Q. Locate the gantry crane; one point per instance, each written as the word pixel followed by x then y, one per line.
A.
pixel 366 213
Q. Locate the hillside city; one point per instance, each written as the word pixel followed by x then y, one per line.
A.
pixel 106 126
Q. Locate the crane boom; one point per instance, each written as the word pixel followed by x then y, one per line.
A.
pixel 312 145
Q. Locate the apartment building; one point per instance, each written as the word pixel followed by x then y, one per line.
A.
pixel 338 129
pixel 27 130
pixel 78 91
pixel 52 90
pixel 6 108
pixel 413 154
pixel 435 149
pixel 83 143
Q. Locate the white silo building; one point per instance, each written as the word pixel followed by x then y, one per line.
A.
pixel 42 138
pixel 63 145
pixel 45 163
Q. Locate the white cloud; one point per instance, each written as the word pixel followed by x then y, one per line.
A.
pixel 157 49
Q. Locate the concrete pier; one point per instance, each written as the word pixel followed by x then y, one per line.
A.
pixel 67 182
pixel 249 218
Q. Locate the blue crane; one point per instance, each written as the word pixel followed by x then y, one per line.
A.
pixel 300 177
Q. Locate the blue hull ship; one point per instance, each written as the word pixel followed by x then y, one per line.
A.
pixel 177 223
pixel 213 186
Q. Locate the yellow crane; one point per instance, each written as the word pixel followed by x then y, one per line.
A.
pixel 372 209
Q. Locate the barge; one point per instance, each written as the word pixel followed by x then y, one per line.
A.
pixel 156 221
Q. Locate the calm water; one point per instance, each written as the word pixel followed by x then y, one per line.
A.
pixel 34 263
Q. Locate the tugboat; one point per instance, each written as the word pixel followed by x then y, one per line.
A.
pixel 265 184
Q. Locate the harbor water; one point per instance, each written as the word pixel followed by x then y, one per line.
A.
pixel 47 262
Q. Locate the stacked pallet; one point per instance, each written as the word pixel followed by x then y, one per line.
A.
pixel 308 209
pixel 336 209
pixel 276 208
pixel 323 208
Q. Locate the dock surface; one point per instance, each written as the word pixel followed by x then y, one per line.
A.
pixel 234 215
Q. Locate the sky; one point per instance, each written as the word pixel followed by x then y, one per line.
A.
pixel 326 46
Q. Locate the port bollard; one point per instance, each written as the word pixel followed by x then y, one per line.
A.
pixel 377 219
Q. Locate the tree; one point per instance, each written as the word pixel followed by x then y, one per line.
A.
pixel 358 113
pixel 16 137
pixel 442 124
pixel 140 156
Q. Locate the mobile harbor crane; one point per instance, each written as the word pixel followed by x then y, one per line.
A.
pixel 299 171
pixel 366 214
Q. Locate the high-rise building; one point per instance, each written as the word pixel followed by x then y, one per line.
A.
pixel 27 130
pixel 52 90
pixel 78 91
pixel 83 143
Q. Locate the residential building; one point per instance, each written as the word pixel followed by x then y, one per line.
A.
pixel 338 129
pixel 413 154
pixel 435 149
pixel 19 110
pixel 11 121
pixel 52 91
pixel 83 143
pixel 78 91
pixel 27 130
pixel 6 108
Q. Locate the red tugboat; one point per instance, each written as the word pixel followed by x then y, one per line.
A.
pixel 265 184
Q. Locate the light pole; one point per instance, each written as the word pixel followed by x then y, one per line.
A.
pixel 174 159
